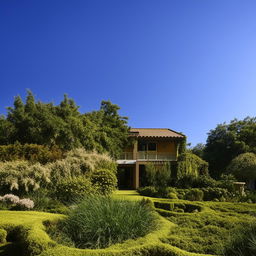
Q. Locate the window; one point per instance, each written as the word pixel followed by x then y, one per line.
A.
pixel 142 146
pixel 151 146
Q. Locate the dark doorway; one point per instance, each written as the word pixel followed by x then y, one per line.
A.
pixel 143 178
pixel 125 177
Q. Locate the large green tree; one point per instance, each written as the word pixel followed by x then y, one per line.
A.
pixel 63 125
pixel 227 141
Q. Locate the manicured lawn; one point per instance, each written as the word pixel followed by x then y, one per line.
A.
pixel 127 194
pixel 187 229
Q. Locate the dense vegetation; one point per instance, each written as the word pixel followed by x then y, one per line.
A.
pixel 99 222
pixel 35 122
pixel 227 141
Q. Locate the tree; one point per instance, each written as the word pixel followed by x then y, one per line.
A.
pixel 227 141
pixel 64 126
pixel 198 150
pixel 191 165
pixel 243 167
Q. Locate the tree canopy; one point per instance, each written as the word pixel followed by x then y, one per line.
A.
pixel 243 167
pixel 64 126
pixel 227 141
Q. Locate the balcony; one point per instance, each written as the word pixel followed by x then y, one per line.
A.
pixel 155 156
pixel 149 156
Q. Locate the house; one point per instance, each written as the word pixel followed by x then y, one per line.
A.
pixel 155 145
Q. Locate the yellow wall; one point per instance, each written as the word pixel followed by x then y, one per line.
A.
pixel 166 147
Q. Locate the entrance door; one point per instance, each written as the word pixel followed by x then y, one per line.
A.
pixel 125 177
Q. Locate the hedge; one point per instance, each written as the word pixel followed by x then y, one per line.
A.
pixel 29 229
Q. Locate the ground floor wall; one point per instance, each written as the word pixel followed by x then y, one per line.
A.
pixel 132 176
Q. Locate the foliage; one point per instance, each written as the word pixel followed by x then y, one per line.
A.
pixel 45 200
pixel 198 150
pixel 242 242
pixel 191 165
pixel 243 167
pixel 215 193
pixel 158 175
pixel 80 162
pixel 35 122
pixel 104 181
pixel 71 190
pixel 13 202
pixel 194 194
pixel 3 235
pixel 227 181
pixel 182 146
pixel 30 152
pixel 148 191
pixel 227 141
pixel 98 222
pixel 21 176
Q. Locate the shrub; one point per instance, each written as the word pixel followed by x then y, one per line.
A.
pixel 73 189
pixel 194 194
pixel 20 177
pixel 104 181
pixel 44 201
pixel 242 242
pixel 148 191
pixel 204 181
pixel 80 163
pixel 14 202
pixel 191 165
pixel 98 222
pixel 158 175
pixel 227 182
pixel 172 195
pixel 215 193
pixel 3 235
pixel 243 167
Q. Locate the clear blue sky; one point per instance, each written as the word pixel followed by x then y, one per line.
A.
pixel 183 64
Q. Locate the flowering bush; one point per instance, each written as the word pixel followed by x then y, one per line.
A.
pixel 26 203
pixel 10 199
pixel 14 202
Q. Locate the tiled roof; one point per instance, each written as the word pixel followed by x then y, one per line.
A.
pixel 156 132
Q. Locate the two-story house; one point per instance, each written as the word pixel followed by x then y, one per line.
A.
pixel 149 145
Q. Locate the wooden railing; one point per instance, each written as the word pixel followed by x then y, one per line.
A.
pixel 148 156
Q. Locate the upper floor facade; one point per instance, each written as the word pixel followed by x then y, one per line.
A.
pixel 151 144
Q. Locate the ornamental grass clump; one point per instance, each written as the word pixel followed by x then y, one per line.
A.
pixel 98 222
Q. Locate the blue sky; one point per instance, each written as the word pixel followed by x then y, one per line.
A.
pixel 183 64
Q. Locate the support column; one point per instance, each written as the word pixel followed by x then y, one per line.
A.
pixel 135 150
pixel 136 176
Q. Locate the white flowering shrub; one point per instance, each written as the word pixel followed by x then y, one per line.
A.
pixel 10 199
pixel 22 176
pixel 14 202
pixel 26 203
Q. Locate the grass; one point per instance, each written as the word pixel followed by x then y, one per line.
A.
pixel 99 222
pixel 180 233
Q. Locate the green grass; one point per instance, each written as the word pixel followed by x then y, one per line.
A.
pixel 99 222
pixel 203 232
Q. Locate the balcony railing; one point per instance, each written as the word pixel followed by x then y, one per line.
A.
pixel 126 156
pixel 148 156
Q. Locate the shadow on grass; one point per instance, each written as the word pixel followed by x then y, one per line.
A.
pixel 10 249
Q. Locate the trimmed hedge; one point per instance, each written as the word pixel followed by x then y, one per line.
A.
pixel 29 230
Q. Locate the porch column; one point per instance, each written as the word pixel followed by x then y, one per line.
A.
pixel 135 150
pixel 136 181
